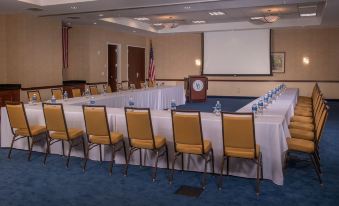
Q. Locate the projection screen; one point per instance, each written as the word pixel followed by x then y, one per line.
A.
pixel 243 52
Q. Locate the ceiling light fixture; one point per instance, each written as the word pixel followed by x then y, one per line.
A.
pixel 187 7
pixel 94 23
pixel 308 15
pixel 217 13
pixel 157 24
pixel 142 18
pixel 101 15
pixel 74 7
pixel 198 22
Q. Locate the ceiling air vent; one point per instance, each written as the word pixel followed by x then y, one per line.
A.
pixel 310 10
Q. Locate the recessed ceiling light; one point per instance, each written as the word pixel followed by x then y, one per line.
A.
pixel 134 31
pixel 74 7
pixel 256 17
pixel 142 18
pixel 101 15
pixel 157 24
pixel 187 7
pixel 199 22
pixel 307 15
pixel 217 13
pixel 94 23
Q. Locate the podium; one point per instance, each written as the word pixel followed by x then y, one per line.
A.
pixel 196 88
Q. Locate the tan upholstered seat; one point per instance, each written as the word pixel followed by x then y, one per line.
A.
pixel 76 92
pixel 194 149
pixel 57 93
pixel 98 133
pixel 72 132
pixel 302 134
pixel 304 108
pixel 300 145
pixel 303 113
pixel 58 131
pixel 20 127
pixel 242 152
pixel 35 130
pixel 141 136
pixel 148 144
pixel 301 125
pixel 188 139
pixel 93 90
pixel 302 119
pixel 115 138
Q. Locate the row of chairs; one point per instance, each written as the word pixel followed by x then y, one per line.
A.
pixel 238 136
pixel 58 92
pixel 306 127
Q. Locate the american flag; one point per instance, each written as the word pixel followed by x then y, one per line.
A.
pixel 65 46
pixel 151 68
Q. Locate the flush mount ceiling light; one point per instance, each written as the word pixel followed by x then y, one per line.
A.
pixel 216 13
pixel 142 18
pixel 269 18
pixel 198 22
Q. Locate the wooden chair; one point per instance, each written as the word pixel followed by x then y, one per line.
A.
pixel 57 93
pixel 108 89
pixel 239 142
pixel 76 92
pixel 141 136
pixel 98 133
pixel 58 130
pixel 188 139
pixel 93 90
pixel 20 127
pixel 31 93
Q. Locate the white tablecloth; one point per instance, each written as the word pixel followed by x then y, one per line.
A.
pixel 271 133
pixel 157 98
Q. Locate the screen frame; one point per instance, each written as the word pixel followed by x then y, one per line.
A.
pixel 234 75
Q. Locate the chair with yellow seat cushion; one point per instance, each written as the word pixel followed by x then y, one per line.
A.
pixel 108 88
pixel 59 132
pixel 93 89
pixel 239 142
pixel 188 139
pixel 31 93
pixel 57 93
pixel 309 99
pixel 76 92
pixel 309 146
pixel 21 129
pixel 98 133
pixel 141 136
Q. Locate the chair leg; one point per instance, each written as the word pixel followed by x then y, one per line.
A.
pixel 317 161
pixel 30 147
pixel 140 158
pixel 100 153
pixel 227 165
pixel 128 159
pixel 261 167
pixel 221 173
pixel 167 162
pixel 316 169
pixel 69 153
pixel 154 176
pixel 10 149
pixel 182 162
pixel 212 158
pixel 258 179
pixel 84 146
pixel 170 177
pixel 203 181
pixel 47 150
pixel 86 159
pixel 124 145
pixel 112 161
pixel 63 147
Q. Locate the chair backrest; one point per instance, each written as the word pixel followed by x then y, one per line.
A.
pixel 96 120
pixel 55 117
pixel 17 116
pixel 238 130
pixel 93 90
pixel 108 89
pixel 124 85
pixel 322 121
pixel 30 94
pixel 57 93
pixel 139 124
pixel 186 127
pixel 76 92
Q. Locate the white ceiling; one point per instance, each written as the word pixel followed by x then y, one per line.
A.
pixel 120 14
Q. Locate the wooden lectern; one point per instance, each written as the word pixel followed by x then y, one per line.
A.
pixel 196 88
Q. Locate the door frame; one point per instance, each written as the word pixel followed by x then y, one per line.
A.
pixel 143 47
pixel 118 61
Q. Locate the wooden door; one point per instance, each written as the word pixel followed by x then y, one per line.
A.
pixel 112 66
pixel 136 66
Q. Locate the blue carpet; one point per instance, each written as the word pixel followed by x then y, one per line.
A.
pixel 31 183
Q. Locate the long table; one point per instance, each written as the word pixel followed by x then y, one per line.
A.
pixel 271 130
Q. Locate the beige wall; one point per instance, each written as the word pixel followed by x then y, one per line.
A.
pixel 88 52
pixel 3 53
pixel 34 54
pixel 320 45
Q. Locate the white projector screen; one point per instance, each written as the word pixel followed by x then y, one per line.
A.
pixel 244 52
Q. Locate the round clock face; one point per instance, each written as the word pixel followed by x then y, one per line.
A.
pixel 198 85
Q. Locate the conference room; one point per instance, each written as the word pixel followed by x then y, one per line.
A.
pixel 153 102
